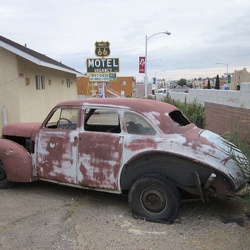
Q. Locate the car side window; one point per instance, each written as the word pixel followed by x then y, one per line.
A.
pixel 102 120
pixel 138 125
pixel 66 118
pixel 179 118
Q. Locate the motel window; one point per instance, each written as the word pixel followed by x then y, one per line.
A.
pixel 40 82
pixel 68 83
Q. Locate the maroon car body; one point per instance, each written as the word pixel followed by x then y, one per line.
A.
pixel 116 145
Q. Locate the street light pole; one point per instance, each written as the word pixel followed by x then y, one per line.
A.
pixel 146 60
pixel 226 64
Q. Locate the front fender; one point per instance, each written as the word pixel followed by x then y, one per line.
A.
pixel 17 161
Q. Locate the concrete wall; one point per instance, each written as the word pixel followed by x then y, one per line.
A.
pixel 8 83
pixel 40 102
pixel 232 98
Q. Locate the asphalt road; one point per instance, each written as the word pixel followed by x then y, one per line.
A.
pixel 47 216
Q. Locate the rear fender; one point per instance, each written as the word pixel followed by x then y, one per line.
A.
pixel 17 161
pixel 180 170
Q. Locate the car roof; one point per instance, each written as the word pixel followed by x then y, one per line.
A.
pixel 156 111
pixel 137 104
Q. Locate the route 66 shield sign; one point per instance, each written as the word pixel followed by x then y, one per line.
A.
pixel 102 49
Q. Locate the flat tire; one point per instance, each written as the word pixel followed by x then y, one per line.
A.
pixel 4 183
pixel 154 199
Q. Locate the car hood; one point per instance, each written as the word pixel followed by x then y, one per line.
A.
pixel 20 129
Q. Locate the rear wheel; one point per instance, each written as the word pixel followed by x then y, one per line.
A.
pixel 4 183
pixel 154 199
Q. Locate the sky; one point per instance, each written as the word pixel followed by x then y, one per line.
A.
pixel 203 33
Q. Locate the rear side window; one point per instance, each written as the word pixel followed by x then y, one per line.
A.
pixel 138 125
pixel 179 118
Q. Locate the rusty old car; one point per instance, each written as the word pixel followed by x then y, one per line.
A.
pixel 145 148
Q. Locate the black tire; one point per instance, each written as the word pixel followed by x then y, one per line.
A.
pixel 4 183
pixel 154 199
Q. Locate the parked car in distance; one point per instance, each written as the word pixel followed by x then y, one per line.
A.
pixel 161 91
pixel 160 94
pixel 144 148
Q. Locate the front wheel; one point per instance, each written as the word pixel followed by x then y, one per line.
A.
pixel 4 183
pixel 154 199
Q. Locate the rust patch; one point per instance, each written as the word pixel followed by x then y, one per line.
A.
pixel 20 129
pixel 56 156
pixel 221 186
pixel 17 161
pixel 100 158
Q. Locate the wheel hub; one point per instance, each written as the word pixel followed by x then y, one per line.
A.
pixel 153 200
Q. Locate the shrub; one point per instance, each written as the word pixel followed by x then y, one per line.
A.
pixel 235 143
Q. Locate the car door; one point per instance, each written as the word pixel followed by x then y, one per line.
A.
pixel 56 145
pixel 100 149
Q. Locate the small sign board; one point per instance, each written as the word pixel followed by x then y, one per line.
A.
pixel 102 65
pixel 102 49
pixel 102 77
pixel 142 62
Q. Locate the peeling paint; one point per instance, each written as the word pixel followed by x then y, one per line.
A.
pixel 9 152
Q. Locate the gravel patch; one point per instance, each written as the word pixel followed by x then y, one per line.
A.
pixel 47 216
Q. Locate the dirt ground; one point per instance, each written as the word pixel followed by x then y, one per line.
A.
pixel 47 216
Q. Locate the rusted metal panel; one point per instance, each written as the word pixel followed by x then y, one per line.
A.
pixel 17 161
pixel 20 129
pixel 88 159
pixel 131 103
pixel 56 155
pixel 197 145
pixel 221 186
pixel 100 159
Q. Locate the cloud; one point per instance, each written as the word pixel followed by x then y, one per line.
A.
pixel 202 32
